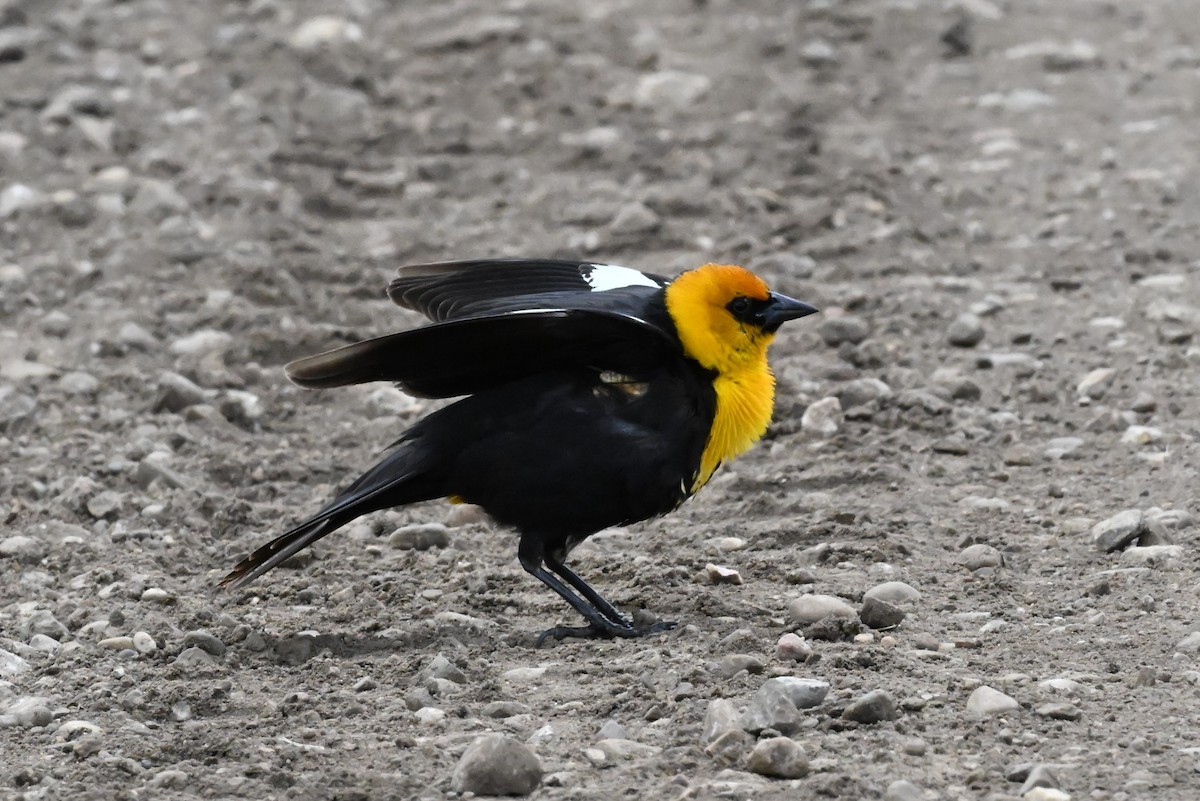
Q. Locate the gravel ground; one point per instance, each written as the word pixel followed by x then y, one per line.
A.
pixel 965 561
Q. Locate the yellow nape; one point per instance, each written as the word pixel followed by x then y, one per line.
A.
pixel 736 351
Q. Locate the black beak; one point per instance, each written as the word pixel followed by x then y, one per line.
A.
pixel 781 308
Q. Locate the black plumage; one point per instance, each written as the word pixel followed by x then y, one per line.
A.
pixel 583 411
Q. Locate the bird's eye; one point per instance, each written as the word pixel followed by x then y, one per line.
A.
pixel 739 307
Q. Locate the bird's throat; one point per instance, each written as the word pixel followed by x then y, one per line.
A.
pixel 745 399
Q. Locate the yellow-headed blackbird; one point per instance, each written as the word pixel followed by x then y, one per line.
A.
pixel 597 396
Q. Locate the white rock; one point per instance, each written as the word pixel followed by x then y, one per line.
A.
pixel 811 608
pixel 987 701
pixel 200 342
pixel 823 417
pixel 324 31
pixel 1141 435
pixel 719 574
pixel 670 89
pixel 16 198
pixel 1096 383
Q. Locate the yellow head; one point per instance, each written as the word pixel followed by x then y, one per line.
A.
pixel 726 316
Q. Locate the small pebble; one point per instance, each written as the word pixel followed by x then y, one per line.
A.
pixel 156 595
pixel 193 659
pixel 733 664
pixel 722 716
pixel 903 790
pixel 1096 383
pixel 978 556
pixel 1046 794
pixel 718 574
pixel 497 765
pixel 879 614
pixel 987 701
pixel 780 757
pixel 1119 530
pixel 430 715
pixel 1059 711
pixel 894 592
pixel 1039 776
pixel 116 643
pixel 144 643
pixel 204 640
pixel 616 749
pixel 966 331
pixel 823 417
pixel 420 537
pixel 792 647
pixel 846 328
pixel 670 89
pixel 811 608
pixel 875 706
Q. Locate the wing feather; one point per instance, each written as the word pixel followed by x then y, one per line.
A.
pixel 453 290
pixel 464 356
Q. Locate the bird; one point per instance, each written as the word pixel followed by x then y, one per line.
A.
pixel 589 396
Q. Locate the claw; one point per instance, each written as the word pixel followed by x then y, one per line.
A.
pixel 594 631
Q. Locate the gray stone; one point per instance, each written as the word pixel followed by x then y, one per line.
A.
pixel 670 90
pixel 324 32
pixel 635 219
pixel 1059 711
pixel 1119 530
pixel 879 614
pixel 863 391
pixel 730 748
pixel 722 716
pixel 443 668
pixel 16 198
pixel 780 757
pixel 771 708
pixel 733 664
pixel 846 328
pixel 1096 383
pixel 987 701
pixel 813 607
pixel 1189 644
pixel 204 640
pixel 420 537
pixel 79 383
pixel 205 340
pixel 894 592
pixel 875 706
pixel 1039 776
pixel 157 200
pixel 980 555
pixel 966 331
pixel 176 393
pixel 616 749
pixel 11 664
pixel 903 790
pixel 22 548
pixel 792 647
pixel 497 765
pixel 43 621
pixel 803 693
pixel 194 659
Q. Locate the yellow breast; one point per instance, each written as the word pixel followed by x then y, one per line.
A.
pixel 744 403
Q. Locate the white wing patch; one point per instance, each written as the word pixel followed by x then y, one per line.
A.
pixel 602 277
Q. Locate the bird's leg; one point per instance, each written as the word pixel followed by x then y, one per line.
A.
pixel 586 590
pixel 604 621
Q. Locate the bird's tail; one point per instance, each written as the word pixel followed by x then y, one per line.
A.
pixel 400 478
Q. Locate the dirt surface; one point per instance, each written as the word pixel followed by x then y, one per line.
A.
pixel 192 194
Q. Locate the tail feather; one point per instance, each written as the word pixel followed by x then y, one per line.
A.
pixel 397 480
pixel 276 552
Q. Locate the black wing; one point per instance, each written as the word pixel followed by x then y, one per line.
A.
pixel 458 289
pixel 462 357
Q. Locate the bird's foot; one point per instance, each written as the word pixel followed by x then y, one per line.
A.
pixel 603 631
